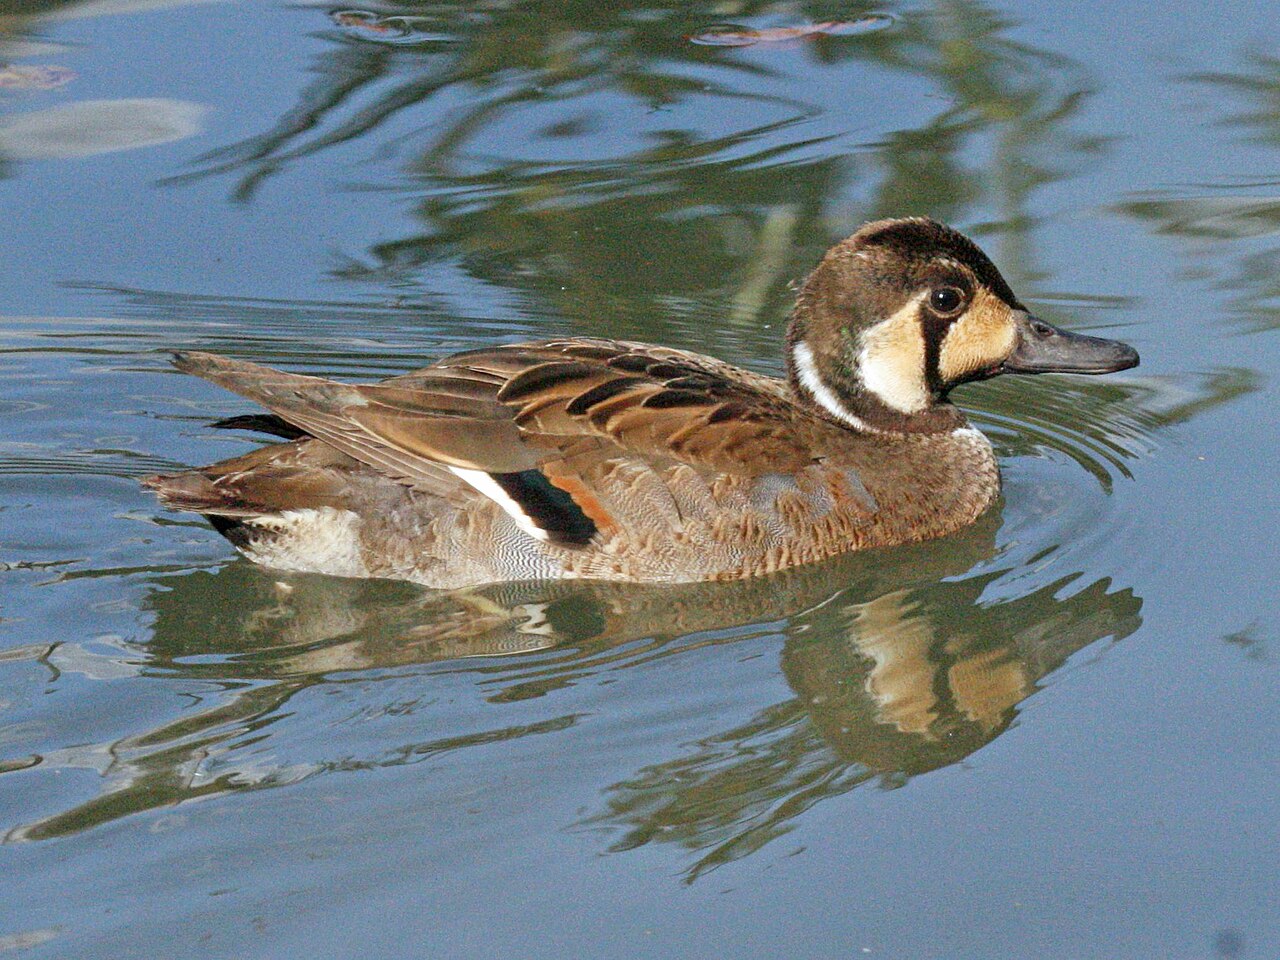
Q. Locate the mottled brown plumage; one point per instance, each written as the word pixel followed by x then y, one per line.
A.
pixel 606 459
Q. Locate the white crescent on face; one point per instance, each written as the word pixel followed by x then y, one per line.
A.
pixel 891 361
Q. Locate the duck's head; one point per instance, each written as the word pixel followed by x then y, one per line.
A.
pixel 903 311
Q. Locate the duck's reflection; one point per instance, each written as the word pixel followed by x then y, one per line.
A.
pixel 898 660
pixel 921 678
pixel 886 688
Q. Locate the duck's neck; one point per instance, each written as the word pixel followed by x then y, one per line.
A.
pixel 829 383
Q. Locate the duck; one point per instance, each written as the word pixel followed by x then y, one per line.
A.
pixel 590 458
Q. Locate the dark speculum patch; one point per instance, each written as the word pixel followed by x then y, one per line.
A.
pixel 691 382
pixel 590 351
pixel 667 371
pixel 530 381
pixel 551 509
pixel 598 394
pixel 729 411
pixel 676 398
pixel 631 363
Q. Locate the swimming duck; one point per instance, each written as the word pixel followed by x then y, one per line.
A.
pixel 593 458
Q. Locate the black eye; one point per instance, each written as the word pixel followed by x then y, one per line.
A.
pixel 946 299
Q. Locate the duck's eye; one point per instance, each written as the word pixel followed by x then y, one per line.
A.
pixel 946 299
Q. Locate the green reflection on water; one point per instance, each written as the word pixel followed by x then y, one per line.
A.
pixel 714 200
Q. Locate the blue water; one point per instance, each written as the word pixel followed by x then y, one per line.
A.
pixel 1054 735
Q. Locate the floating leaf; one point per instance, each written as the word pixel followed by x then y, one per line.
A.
pixel 392 29
pixel 732 35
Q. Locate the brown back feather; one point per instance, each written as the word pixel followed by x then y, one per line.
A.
pixel 508 409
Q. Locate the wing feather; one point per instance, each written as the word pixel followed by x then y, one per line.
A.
pixel 510 409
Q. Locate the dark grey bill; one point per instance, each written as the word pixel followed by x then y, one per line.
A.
pixel 1043 348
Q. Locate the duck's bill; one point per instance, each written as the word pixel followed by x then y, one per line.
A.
pixel 1044 348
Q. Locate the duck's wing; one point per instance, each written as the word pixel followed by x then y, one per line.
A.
pixel 507 409
pixel 515 422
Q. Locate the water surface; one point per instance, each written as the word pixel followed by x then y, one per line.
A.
pixel 1054 735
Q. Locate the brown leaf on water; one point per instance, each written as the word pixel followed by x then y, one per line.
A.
pixel 733 36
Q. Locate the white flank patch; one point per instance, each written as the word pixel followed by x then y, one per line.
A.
pixel 807 371
pixel 320 540
pixel 892 359
pixel 489 487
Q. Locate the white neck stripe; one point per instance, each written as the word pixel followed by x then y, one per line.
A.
pixel 807 372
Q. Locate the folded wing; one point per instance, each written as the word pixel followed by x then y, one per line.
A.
pixel 516 422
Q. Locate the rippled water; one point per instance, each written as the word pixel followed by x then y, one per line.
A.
pixel 1054 735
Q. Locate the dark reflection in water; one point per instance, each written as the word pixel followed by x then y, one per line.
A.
pixel 506 125
pixel 895 671
pixel 886 689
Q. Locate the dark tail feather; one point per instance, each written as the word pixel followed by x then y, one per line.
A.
pixel 267 423
pixel 233 528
